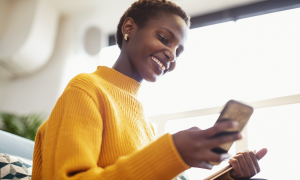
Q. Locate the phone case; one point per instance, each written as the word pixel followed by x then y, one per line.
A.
pixel 235 111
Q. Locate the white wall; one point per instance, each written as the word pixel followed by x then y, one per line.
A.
pixel 28 35
pixel 4 9
pixel 39 92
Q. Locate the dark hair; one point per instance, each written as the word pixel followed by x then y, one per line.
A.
pixel 141 11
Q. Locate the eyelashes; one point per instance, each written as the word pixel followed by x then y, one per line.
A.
pixel 165 41
pixel 162 39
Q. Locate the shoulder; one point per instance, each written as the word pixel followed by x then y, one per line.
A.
pixel 85 80
pixel 90 83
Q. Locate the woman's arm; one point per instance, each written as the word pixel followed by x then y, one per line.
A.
pixel 79 142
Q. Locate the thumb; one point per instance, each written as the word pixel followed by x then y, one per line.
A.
pixel 260 154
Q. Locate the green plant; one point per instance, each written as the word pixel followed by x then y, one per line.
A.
pixel 25 126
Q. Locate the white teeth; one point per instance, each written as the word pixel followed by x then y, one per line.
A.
pixel 159 63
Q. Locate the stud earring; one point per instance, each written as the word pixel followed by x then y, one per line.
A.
pixel 125 37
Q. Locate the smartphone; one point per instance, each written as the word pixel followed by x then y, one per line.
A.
pixel 235 111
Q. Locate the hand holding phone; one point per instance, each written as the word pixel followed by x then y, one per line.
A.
pixel 234 111
pixel 194 145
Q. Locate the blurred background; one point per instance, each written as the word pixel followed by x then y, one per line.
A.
pixel 247 50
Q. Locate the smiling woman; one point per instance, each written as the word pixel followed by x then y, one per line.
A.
pixel 154 44
pixel 97 129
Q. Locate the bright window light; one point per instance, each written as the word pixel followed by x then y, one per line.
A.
pixel 109 55
pixel 277 129
pixel 253 59
pixel 249 60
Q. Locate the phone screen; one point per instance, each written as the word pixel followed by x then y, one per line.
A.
pixel 235 111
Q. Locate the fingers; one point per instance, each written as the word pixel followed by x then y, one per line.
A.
pixel 215 142
pixel 255 161
pixel 219 127
pixel 250 163
pixel 245 164
pixel 237 171
pixel 260 154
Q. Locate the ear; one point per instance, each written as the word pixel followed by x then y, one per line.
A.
pixel 127 26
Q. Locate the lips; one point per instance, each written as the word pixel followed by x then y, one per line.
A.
pixel 159 63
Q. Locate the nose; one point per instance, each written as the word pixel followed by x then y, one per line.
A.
pixel 170 54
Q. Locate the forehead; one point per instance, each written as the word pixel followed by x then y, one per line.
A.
pixel 171 22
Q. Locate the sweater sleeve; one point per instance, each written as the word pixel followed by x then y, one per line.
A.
pixel 79 145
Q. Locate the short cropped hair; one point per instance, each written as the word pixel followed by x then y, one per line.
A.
pixel 143 10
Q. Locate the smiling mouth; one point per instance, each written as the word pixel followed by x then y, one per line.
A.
pixel 162 67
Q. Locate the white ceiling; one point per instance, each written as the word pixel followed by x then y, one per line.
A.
pixel 108 12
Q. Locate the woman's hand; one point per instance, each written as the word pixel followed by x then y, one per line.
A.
pixel 245 164
pixel 194 145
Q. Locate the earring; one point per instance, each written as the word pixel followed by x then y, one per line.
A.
pixel 125 37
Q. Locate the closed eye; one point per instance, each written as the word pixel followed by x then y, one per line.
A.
pixel 162 39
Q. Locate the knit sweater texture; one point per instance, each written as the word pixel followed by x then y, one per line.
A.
pixel 97 130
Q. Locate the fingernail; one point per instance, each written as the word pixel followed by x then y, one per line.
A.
pixel 234 123
pixel 225 156
pixel 239 136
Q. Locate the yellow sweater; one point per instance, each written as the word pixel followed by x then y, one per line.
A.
pixel 97 130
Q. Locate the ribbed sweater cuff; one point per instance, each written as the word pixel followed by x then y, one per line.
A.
pixel 160 159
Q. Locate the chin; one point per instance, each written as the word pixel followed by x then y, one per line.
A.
pixel 152 78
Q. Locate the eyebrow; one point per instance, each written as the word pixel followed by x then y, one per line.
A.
pixel 168 31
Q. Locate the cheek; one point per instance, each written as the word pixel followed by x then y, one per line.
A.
pixel 142 49
pixel 149 46
pixel 147 43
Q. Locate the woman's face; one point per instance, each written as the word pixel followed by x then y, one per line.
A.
pixel 153 49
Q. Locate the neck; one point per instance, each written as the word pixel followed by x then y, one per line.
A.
pixel 124 66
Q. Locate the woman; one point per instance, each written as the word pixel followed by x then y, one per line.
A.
pixel 97 129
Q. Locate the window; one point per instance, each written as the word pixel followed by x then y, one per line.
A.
pixel 276 128
pixel 254 60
